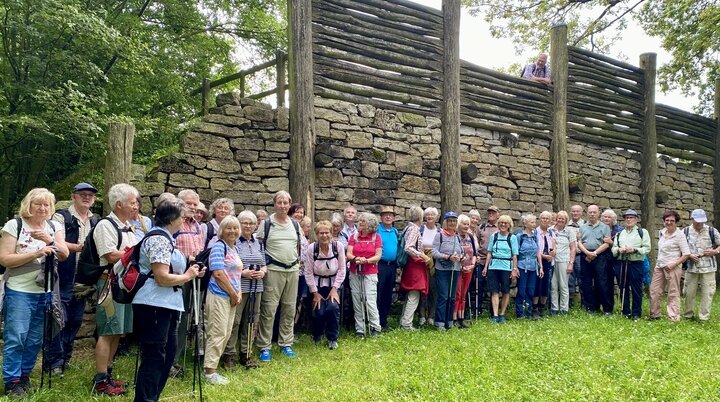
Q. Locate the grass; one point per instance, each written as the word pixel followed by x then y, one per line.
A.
pixel 576 357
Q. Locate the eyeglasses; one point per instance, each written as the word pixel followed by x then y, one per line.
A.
pixel 85 195
pixel 247 223
pixel 503 223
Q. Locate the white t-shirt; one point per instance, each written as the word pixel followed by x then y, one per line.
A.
pixel 106 237
pixel 26 244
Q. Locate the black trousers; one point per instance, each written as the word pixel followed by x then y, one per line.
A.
pixel 387 278
pixel 156 333
pixel 597 285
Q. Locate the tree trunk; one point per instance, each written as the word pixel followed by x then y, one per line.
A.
pixel 118 162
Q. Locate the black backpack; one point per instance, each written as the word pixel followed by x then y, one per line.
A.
pixel 204 258
pixel 89 269
pixel 316 252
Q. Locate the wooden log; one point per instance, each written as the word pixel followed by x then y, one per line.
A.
pixel 376 78
pixel 605 85
pixel 601 95
pixel 582 136
pixel 263 94
pixel 472 121
pixel 576 184
pixel 346 33
pixel 623 138
pixel 399 29
pixel 468 173
pixel 480 94
pixel 584 104
pixel 468 110
pixel 492 106
pixel 593 99
pixel 716 159
pixel 235 76
pixel 585 112
pixel 648 162
pixel 609 60
pixel 686 155
pixel 430 28
pixel 422 8
pixel 331 52
pixel 607 127
pixel 507 79
pixel 410 8
pixel 558 145
pixel 606 82
pixel 341 20
pixel 578 69
pixel 118 159
pixel 369 51
pixel 691 141
pixel 696 122
pixel 587 62
pixel 669 142
pixel 378 103
pixel 302 118
pixel 374 92
pixel 280 73
pixel 501 86
pixel 450 177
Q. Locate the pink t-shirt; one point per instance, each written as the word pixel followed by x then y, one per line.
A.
pixel 364 247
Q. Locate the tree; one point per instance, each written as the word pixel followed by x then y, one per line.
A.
pixel 689 29
pixel 70 66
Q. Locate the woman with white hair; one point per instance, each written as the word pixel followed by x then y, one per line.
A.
pixel 414 279
pixel 428 231
pixel 529 268
pixel 364 251
pixel 610 218
pixel 25 244
pixel 219 209
pixel 565 249
pixel 469 246
pixel 546 256
pixel 449 255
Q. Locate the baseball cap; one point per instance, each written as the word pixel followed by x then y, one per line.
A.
pixel 630 212
pixel 493 208
pixel 84 187
pixel 450 214
pixel 699 215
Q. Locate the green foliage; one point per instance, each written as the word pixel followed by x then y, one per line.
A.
pixel 576 357
pixel 69 67
pixel 689 29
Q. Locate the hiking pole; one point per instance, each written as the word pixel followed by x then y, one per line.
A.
pixel 623 290
pixel 251 315
pixel 197 378
pixel 363 300
pixel 448 316
pixel 48 317
pixel 477 291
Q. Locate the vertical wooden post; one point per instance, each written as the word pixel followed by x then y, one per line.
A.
pixel 716 166
pixel 648 163
pixel 280 58
pixel 450 175
pixel 558 146
pixel 205 96
pixel 118 161
pixel 242 86
pixel 302 109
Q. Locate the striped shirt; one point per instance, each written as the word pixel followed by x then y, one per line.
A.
pixel 699 242
pixel 223 257
pixel 252 255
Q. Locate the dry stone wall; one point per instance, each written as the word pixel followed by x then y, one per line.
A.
pixel 373 157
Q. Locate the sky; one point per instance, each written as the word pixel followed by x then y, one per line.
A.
pixel 476 44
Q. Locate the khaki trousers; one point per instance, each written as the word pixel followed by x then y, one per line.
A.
pixel 707 290
pixel 219 316
pixel 280 289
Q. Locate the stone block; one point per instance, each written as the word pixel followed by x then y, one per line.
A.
pixel 282 118
pixel 336 151
pixel 244 155
pixel 247 144
pixel 184 180
pixel 393 145
pixel 360 121
pixel 259 114
pixel 219 184
pixel 275 184
pixel 370 169
pixel 364 196
pixel 428 151
pixel 277 146
pixel 229 98
pixel 206 145
pixel 359 139
pixel 409 164
pixel 373 155
pixel 419 185
pixel 331 115
pixel 322 128
pixel 273 172
pixel 150 189
pixel 383 184
pixel 366 110
pixel 276 135
pixel 226 126
pixel 412 119
pixel 209 174
pixel 174 164
pixel 328 177
pixel 354 182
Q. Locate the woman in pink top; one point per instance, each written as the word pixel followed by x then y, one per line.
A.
pixel 364 251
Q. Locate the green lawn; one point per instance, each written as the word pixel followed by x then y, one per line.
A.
pixel 576 357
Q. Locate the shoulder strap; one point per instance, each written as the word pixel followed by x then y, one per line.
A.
pixel 495 239
pixel 316 250
pixel 422 229
pixel 210 233
pixel 711 230
pixel 687 232
pixel 266 226
pixel 617 238
pixel 19 228
pixel 335 249
pixel 472 243
pixel 115 225
pixel 297 232
pixel 641 232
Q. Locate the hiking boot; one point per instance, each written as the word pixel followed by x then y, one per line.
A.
pixel 464 324
pixel 501 319
pixel 15 389
pixel 360 335
pixel 535 314
pixel 332 345
pixel 176 371
pixel 117 383
pixel 216 379
pixel 421 321
pixel 288 352
pixel 408 328
pixel 374 332
pixel 265 355
pixel 25 382
pixel 228 362
pixel 58 371
pixel 106 387
pixel 247 362
pixel 542 310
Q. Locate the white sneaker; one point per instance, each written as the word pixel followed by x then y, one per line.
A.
pixel 431 321
pixel 422 321
pixel 216 379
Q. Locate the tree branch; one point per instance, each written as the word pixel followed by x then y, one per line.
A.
pixel 116 56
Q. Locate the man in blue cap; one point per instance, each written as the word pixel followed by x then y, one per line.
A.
pixel 630 246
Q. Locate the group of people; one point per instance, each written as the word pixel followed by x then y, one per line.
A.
pixel 251 274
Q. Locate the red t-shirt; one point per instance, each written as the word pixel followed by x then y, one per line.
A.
pixel 364 247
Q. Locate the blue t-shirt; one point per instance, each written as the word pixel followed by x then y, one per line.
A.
pixel 158 249
pixel 527 252
pixel 227 258
pixel 502 252
pixel 389 241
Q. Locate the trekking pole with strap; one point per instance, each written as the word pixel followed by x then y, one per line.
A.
pixel 363 300
pixel 251 314
pixel 48 319
pixel 197 370
pixel 623 290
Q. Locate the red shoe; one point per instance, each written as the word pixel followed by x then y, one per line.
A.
pixel 107 388
pixel 118 383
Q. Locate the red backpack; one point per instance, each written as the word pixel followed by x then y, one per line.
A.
pixel 126 278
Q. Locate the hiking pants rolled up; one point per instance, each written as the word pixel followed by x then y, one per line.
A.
pixel 370 307
pixel 594 282
pixel 446 282
pixel 408 312
pixel 661 278
pixel 241 323
pixel 631 285
pixel 219 318
pixel 387 278
pixel 526 284
pixel 156 333
pixel 707 290
pixel 279 289
pixel 559 292
pixel 326 318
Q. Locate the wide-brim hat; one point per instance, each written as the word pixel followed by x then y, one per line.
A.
pixel 388 210
pixel 631 212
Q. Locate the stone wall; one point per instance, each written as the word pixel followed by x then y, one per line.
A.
pixel 373 157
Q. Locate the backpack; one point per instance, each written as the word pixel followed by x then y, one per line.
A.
pixel 88 268
pixel 126 278
pixel 204 258
pixel 316 252
pixel 495 242
pixel 402 256
pixel 210 233
pixel 269 260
